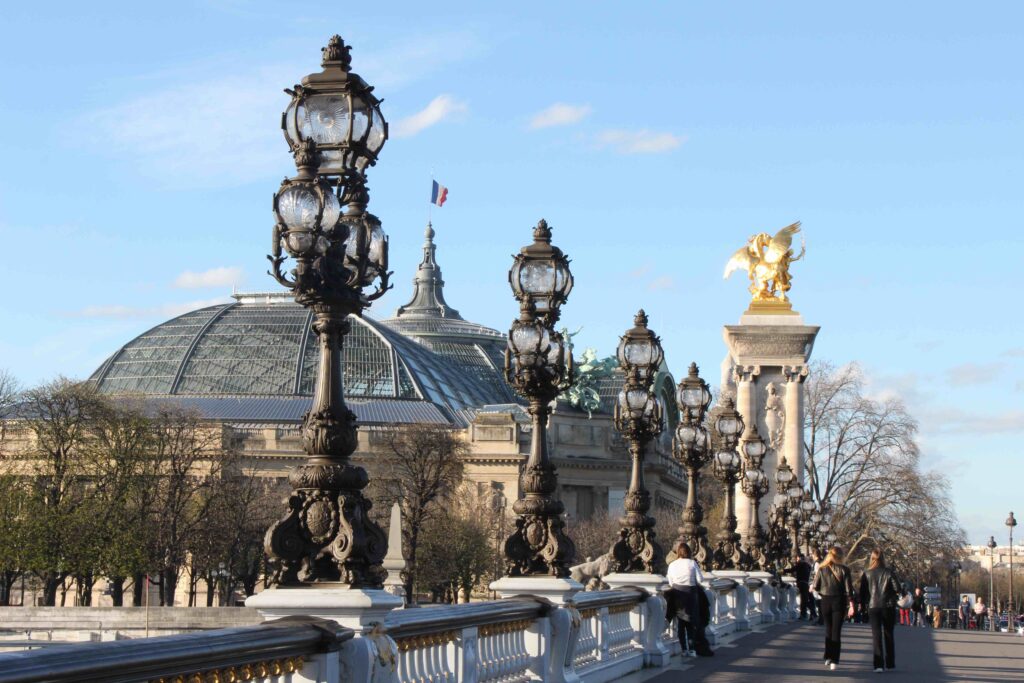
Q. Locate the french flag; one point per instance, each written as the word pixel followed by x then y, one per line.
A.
pixel 438 194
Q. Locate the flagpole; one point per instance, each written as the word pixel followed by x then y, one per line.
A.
pixel 430 206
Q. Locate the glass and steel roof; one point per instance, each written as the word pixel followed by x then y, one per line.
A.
pixel 263 346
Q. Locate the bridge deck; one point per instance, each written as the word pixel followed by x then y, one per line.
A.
pixel 793 652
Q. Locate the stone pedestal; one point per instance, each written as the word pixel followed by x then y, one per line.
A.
pixel 558 591
pixel 765 368
pixel 654 584
pixel 394 561
pixel 355 608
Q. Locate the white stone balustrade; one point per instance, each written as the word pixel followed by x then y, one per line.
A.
pixel 595 637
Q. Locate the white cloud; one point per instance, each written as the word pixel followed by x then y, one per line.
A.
pixel 218 132
pixel 641 271
pixel 215 277
pixel 660 283
pixel 968 374
pixel 165 310
pixel 440 108
pixel 639 142
pixel 560 114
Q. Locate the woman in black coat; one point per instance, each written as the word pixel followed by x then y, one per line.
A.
pixel 834 585
pixel 879 591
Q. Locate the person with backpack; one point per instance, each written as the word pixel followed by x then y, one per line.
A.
pixel 835 586
pixel 879 591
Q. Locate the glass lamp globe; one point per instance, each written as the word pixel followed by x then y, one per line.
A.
pixel 640 349
pixel 780 500
pixel 686 434
pixel 693 394
pixel 338 110
pixel 541 273
pixel 783 476
pixel 754 448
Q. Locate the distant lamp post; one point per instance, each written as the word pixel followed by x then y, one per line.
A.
pixel 991 581
pixel 755 485
pixel 335 131
pixel 779 546
pixel 1011 522
pixel 795 493
pixel 692 448
pixel 728 426
pixel 539 367
pixel 638 417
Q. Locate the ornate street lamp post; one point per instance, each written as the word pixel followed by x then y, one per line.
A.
pixel 991 582
pixel 692 448
pixel 796 515
pixel 1011 522
pixel 538 365
pixel 755 485
pixel 780 547
pixel 728 426
pixel 638 417
pixel 335 130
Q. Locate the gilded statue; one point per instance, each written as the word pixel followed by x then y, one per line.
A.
pixel 767 260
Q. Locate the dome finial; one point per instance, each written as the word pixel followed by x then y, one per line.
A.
pixel 429 232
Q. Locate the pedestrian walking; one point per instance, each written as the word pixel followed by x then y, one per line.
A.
pixel 815 598
pixel 835 586
pixel 964 613
pixel 979 614
pixel 801 571
pixel 683 598
pixel 920 618
pixel 879 591
pixel 905 604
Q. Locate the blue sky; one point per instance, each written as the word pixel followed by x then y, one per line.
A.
pixel 142 148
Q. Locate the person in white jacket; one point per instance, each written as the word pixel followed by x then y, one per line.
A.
pixel 684 578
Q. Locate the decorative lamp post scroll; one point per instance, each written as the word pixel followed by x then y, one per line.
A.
pixel 538 365
pixel 692 448
pixel 638 417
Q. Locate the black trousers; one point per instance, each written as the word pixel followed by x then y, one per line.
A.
pixel 882 622
pixel 833 612
pixel 805 599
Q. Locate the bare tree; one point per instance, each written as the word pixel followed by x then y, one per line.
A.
pixel 862 457
pixel 421 468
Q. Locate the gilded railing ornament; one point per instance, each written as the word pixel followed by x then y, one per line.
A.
pixel 767 260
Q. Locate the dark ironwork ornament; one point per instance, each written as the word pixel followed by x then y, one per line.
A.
pixel 539 366
pixel 638 417
pixel 692 448
pixel 327 535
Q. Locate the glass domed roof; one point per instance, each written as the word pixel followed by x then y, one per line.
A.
pixel 262 345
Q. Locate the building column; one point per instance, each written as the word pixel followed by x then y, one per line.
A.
pixel 745 377
pixel 793 442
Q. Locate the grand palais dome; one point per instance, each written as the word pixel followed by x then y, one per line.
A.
pixel 256 359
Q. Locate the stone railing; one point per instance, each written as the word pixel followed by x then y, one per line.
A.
pixel 595 637
pixel 295 650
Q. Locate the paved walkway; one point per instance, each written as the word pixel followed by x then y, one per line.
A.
pixel 793 652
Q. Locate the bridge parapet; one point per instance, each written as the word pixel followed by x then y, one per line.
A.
pixel 597 636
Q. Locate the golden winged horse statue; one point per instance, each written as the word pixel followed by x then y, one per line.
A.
pixel 766 260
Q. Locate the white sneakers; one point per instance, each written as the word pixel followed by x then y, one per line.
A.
pixel 879 670
pixel 690 653
pixel 832 666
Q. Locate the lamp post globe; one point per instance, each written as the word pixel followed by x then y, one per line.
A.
pixel 692 448
pixel 337 110
pixel 540 273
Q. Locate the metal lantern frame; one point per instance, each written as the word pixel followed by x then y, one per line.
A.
pixel 365 130
pixel 727 467
pixel 755 484
pixel 541 274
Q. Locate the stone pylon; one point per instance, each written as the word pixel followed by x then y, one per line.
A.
pixel 765 368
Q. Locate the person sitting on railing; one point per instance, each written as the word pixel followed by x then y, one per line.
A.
pixel 683 602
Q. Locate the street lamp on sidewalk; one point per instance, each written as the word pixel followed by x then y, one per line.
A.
pixel 1010 523
pixel 991 583
pixel 692 448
